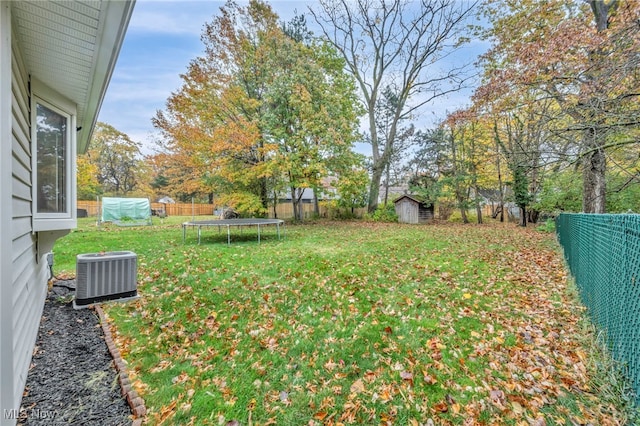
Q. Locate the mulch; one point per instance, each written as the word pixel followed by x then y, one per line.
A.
pixel 73 379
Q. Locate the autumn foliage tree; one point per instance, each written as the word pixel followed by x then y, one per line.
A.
pixel 584 58
pixel 87 179
pixel 210 126
pixel 261 112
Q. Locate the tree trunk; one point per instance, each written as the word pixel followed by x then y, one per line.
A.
pixel 374 189
pixel 273 201
pixel 264 193
pixel 295 201
pixel 463 213
pixel 523 216
pixel 294 207
pixel 501 188
pixel 386 185
pixel 593 175
pixel 478 206
pixel 594 164
pixel 316 204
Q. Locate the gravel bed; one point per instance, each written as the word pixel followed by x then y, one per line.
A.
pixel 72 379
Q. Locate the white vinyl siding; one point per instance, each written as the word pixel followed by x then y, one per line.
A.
pixel 8 397
pixel 29 279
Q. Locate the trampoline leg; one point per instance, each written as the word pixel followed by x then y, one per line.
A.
pixel 258 234
pixel 199 229
pixel 184 233
pixel 228 236
pixel 278 228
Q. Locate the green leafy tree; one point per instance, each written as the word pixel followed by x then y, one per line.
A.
pixel 310 115
pixel 353 189
pixel 117 160
pixel 561 192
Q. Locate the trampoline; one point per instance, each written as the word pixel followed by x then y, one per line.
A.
pixel 220 223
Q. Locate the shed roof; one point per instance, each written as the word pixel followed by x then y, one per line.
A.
pixel 412 197
pixel 72 47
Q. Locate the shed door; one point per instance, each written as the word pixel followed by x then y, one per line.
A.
pixel 408 211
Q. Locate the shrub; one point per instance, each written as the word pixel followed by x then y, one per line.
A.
pixel 456 217
pixel 383 214
pixel 548 226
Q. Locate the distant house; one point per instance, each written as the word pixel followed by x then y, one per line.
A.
pixel 326 191
pixel 306 197
pixel 413 209
pixel 392 192
pixel 56 59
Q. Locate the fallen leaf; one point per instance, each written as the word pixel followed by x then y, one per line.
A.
pixel 429 379
pixel 441 407
pixel 407 375
pixel 357 386
pixel 320 415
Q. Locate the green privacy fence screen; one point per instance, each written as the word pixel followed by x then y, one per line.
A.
pixel 603 254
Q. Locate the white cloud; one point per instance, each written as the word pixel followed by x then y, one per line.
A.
pixel 171 17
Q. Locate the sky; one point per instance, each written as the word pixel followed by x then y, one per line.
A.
pixel 163 37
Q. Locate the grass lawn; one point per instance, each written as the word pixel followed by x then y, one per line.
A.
pixel 355 323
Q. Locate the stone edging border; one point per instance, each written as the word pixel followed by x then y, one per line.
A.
pixel 134 400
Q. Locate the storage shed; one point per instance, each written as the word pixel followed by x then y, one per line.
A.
pixel 413 209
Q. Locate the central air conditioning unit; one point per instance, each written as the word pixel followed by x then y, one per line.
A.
pixel 105 276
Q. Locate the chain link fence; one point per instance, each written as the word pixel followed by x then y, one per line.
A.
pixel 603 254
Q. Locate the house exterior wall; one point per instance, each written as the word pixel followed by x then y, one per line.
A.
pixel 23 275
pixel 39 57
pixel 29 276
pixel 7 396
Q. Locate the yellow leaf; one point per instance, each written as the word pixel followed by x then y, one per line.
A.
pixel 517 408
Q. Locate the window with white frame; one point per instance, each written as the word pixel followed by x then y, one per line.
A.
pixel 53 144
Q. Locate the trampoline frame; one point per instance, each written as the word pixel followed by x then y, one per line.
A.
pixel 229 223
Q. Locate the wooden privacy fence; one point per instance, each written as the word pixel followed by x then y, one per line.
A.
pixel 283 210
pixel 178 209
